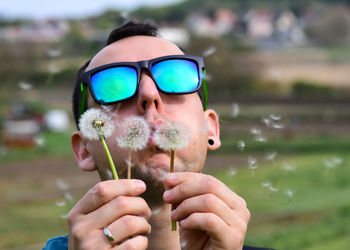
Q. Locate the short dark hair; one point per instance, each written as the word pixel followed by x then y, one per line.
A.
pixel 131 28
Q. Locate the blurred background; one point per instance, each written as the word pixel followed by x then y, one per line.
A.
pixel 278 75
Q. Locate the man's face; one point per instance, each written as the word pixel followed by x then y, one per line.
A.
pixel 151 163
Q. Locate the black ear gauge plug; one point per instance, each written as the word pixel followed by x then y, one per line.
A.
pixel 211 142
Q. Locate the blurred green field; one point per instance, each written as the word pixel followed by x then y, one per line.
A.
pixel 298 195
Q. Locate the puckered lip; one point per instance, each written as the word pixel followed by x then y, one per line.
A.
pixel 154 126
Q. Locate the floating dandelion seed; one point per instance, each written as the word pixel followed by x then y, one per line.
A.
pixel 209 51
pixel 289 193
pixel 260 138
pixel 232 171
pixel 255 131
pixel 275 117
pixel 252 164
pixel 278 125
pixel 241 145
pixel 172 136
pixel 266 121
pixel 235 110
pixel 68 196
pixel 266 184
pixel 61 184
pixel 64 216
pixel 39 141
pixel 288 167
pixel 61 203
pixel 25 85
pixel 270 156
pixel 96 124
pixel 135 134
pixel 183 244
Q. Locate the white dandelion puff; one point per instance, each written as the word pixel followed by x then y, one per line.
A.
pixel 172 136
pixel 135 134
pixel 88 124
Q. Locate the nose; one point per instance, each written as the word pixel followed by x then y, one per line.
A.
pixel 148 95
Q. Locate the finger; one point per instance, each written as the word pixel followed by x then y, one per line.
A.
pixel 116 208
pixel 138 242
pixel 206 203
pixel 106 191
pixel 128 226
pixel 184 185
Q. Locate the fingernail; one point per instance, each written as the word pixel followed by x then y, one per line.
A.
pixel 167 194
pixel 172 177
pixel 140 185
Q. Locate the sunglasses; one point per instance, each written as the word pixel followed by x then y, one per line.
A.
pixel 117 82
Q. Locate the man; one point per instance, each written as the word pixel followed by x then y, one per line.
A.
pixel 135 214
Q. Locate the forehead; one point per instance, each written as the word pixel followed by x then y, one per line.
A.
pixel 133 49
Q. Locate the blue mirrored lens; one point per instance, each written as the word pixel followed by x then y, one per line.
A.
pixel 176 75
pixel 114 84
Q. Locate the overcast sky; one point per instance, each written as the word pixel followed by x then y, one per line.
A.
pixel 69 8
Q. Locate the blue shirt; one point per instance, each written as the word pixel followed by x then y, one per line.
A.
pixel 61 243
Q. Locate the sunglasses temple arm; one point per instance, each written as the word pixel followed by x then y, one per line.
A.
pixel 82 98
pixel 205 90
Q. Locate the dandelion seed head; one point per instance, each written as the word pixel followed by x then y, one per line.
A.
pixel 91 119
pixel 135 133
pixel 172 136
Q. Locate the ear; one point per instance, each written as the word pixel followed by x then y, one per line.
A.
pixel 81 153
pixel 213 129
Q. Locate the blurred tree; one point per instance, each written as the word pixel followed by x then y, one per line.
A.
pixel 330 26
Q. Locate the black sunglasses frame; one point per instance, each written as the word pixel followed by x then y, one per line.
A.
pixel 138 66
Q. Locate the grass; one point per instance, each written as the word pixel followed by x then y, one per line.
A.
pixel 316 217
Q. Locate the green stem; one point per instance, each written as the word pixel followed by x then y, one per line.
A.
pixel 129 164
pixel 111 163
pixel 173 223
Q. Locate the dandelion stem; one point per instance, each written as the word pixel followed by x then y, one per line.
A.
pixel 129 164
pixel 115 175
pixel 173 223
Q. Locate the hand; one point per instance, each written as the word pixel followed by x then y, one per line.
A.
pixel 112 204
pixel 210 215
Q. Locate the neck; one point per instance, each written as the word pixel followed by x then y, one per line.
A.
pixel 161 236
